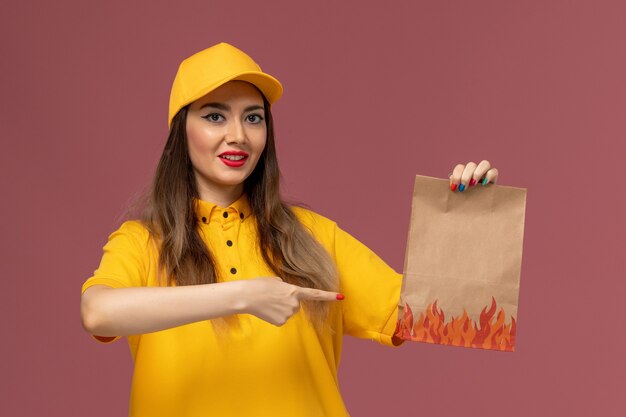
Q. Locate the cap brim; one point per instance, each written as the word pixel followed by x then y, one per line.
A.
pixel 269 86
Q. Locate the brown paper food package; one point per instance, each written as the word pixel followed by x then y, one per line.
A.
pixel 462 266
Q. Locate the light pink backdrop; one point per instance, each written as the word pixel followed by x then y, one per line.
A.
pixel 375 92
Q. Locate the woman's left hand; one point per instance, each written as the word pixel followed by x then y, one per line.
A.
pixel 464 176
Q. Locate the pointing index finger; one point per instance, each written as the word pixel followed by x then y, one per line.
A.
pixel 314 294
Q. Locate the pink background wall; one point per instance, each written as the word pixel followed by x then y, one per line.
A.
pixel 375 92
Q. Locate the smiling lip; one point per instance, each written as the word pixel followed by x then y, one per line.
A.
pixel 234 164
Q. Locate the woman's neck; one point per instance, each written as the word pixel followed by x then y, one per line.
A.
pixel 223 197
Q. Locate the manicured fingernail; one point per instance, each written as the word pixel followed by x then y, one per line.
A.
pixel 461 187
pixel 484 181
pixel 340 296
pixel 472 182
pixel 453 187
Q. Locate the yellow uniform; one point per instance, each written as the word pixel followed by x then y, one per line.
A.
pixel 262 369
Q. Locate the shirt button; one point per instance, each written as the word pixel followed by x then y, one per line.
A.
pixel 204 220
pixel 229 242
pixel 225 214
pixel 241 215
pixel 233 271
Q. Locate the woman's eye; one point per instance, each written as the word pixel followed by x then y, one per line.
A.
pixel 254 118
pixel 214 117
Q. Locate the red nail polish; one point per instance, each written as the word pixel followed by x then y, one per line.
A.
pixel 453 187
pixel 340 296
pixel 472 182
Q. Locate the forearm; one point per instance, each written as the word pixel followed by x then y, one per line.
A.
pixel 138 310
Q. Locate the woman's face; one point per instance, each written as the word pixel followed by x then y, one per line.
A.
pixel 226 134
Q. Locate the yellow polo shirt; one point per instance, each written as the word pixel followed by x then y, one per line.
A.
pixel 263 370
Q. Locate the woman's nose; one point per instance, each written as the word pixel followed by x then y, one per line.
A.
pixel 236 132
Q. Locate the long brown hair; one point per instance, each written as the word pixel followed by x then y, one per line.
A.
pixel 290 250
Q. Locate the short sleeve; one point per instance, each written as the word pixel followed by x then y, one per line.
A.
pixel 123 263
pixel 372 289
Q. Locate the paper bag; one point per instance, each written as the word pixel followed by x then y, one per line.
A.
pixel 462 266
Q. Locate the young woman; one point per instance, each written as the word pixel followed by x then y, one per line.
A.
pixel 233 302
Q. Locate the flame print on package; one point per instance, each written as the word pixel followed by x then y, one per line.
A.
pixel 431 327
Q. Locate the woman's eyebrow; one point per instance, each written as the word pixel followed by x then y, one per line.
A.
pixel 220 106
pixel 253 107
pixel 226 107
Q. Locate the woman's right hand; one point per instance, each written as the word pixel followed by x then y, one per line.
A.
pixel 273 300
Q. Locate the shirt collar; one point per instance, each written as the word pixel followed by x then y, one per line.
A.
pixel 239 209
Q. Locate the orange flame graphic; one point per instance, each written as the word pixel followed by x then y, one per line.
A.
pixel 431 327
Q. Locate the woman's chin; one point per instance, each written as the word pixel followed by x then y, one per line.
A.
pixel 231 180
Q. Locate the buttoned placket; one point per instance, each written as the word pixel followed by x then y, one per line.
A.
pixel 230 222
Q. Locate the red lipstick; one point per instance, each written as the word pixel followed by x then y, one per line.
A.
pixel 234 163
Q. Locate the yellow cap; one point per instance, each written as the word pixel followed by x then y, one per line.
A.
pixel 206 70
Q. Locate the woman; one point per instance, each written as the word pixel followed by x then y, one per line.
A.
pixel 207 285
